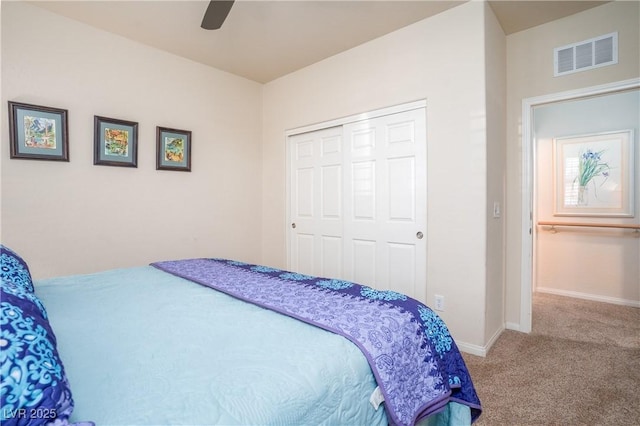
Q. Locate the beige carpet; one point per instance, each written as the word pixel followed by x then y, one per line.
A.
pixel 579 366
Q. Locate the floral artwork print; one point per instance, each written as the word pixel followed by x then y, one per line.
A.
pixel 594 174
pixel 590 166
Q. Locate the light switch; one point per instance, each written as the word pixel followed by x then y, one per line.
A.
pixel 496 209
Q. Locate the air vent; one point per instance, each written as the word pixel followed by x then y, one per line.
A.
pixel 585 55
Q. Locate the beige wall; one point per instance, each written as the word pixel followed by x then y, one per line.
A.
pixel 69 218
pixel 496 86
pixel 423 61
pixel 530 74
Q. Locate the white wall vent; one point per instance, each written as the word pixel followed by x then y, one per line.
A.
pixel 585 55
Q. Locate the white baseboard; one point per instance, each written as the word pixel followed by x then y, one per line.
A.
pixel 512 326
pixel 493 338
pixel 472 349
pixel 587 296
pixel 480 350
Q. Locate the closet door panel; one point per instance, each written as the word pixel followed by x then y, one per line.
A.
pixel 402 189
pixel 402 262
pixel 362 263
pixel 305 253
pixel 316 204
pixel 358 202
pixel 385 202
pixel 362 191
pixel 332 254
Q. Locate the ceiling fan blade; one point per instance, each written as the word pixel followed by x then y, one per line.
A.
pixel 216 13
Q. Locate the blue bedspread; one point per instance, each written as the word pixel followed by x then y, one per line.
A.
pixel 411 353
pixel 144 347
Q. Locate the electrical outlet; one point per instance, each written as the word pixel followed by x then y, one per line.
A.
pixel 439 303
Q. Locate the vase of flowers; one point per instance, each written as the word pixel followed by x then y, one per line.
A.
pixel 583 196
pixel 590 166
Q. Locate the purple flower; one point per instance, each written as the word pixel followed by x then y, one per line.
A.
pixel 591 166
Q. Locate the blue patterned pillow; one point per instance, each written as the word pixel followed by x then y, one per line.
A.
pixel 13 268
pixel 35 389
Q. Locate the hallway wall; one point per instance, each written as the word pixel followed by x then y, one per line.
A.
pixel 593 263
pixel 530 74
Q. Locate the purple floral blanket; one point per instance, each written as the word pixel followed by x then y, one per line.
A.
pixel 413 357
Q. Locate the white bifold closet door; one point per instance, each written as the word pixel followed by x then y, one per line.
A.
pixel 358 202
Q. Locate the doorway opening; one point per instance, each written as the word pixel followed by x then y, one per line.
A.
pixel 531 213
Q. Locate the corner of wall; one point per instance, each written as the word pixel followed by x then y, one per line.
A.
pixel 495 99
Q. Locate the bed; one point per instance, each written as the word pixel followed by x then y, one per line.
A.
pixel 215 341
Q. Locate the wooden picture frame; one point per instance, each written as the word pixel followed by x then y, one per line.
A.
pixel 173 149
pixel 38 132
pixel 115 142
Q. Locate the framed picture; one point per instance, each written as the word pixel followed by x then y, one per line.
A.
pixel 173 149
pixel 594 175
pixel 115 142
pixel 38 132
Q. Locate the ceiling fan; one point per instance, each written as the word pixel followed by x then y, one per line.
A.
pixel 216 13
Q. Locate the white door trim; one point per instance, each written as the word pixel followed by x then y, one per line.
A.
pixel 528 175
pixel 358 117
